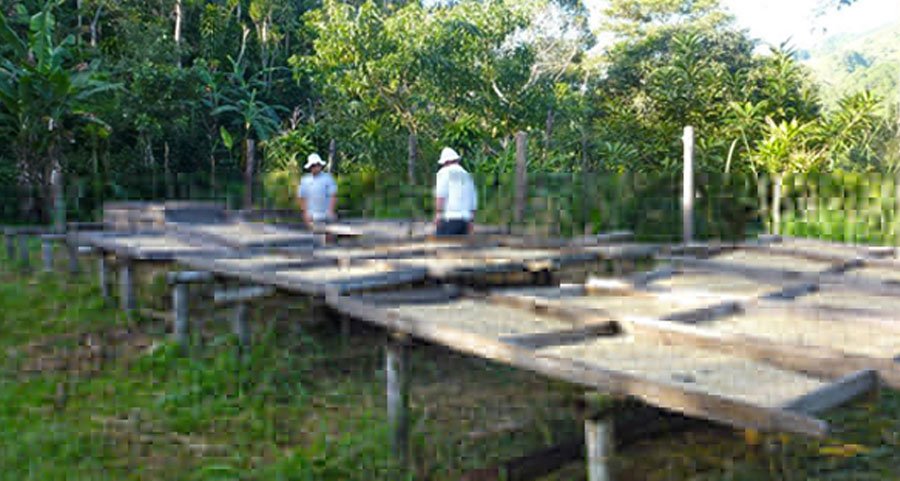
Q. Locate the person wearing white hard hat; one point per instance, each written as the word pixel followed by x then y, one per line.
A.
pixel 317 192
pixel 455 199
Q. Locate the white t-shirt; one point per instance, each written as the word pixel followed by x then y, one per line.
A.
pixel 455 186
pixel 317 191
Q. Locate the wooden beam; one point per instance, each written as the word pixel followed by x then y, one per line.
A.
pixel 676 398
pixel 189 277
pixel 561 338
pixel 837 393
pixel 242 295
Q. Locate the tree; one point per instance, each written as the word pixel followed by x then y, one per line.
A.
pixel 254 118
pixel 44 103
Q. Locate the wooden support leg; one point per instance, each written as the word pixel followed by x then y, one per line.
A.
pixel 24 257
pixel 396 368
pixel 126 286
pixel 103 276
pixel 598 441
pixel 47 254
pixel 239 325
pixel 10 247
pixel 180 302
pixel 72 250
pixel 345 330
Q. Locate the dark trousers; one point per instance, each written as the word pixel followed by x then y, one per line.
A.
pixel 452 227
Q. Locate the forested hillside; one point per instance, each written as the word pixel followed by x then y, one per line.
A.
pixel 851 63
pixel 182 98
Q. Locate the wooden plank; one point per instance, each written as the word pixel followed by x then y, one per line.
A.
pixel 875 317
pixel 424 296
pixel 814 360
pixel 242 294
pixel 560 338
pixel 836 394
pixel 693 403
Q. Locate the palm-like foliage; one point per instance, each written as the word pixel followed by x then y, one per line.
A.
pixel 45 101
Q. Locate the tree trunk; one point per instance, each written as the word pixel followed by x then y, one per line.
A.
pixel 167 171
pixel 57 193
pixel 548 131
pixel 177 33
pixel 250 154
pixel 332 157
pixel 776 203
pixel 95 36
pixel 80 23
pixel 411 159
pixel 212 174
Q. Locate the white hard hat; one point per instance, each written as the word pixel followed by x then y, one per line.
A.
pixel 448 155
pixel 312 160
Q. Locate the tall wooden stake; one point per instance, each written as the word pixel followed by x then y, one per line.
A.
pixel 396 369
pixel 521 176
pixel 687 194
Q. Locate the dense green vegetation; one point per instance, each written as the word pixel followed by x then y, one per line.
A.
pixel 183 98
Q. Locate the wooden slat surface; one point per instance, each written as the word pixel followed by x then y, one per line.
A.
pixel 690 400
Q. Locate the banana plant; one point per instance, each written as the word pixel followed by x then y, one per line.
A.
pixel 45 101
pixel 255 120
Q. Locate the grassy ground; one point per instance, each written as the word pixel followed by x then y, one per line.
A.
pixel 86 394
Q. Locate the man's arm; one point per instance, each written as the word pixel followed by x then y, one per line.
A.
pixel 301 203
pixel 438 208
pixel 332 204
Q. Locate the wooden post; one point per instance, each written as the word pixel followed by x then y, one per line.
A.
pixel 346 330
pixel 521 176
pixel 776 204
pixel 239 325
pixel 413 150
pixel 250 158
pixel 47 254
pixel 10 245
pixel 72 250
pixel 332 157
pixel 57 187
pixel 126 285
pixel 180 304
pixel 687 194
pixel 103 276
pixel 396 369
pixel 598 441
pixel 24 256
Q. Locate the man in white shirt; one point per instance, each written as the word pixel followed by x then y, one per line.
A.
pixel 455 199
pixel 317 192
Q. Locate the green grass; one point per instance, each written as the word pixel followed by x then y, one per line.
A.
pixel 86 394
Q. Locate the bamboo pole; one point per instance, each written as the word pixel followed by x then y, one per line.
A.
pixel 687 194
